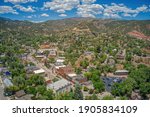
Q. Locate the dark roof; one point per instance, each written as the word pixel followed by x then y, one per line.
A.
pixel 20 93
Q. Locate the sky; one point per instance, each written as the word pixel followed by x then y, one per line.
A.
pixel 42 10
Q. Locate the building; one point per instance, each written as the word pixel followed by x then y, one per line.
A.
pixel 52 53
pixel 7 82
pixel 121 72
pixel 121 55
pixel 31 69
pixel 59 61
pixel 20 93
pixel 80 80
pixel 60 86
pixel 39 71
pixel 40 56
pixel 64 71
pixel 47 45
pixel 76 79
pixel 47 80
pixel 71 77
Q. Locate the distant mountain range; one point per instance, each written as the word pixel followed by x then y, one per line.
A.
pixel 77 25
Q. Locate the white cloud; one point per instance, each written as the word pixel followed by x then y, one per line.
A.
pixel 127 15
pixel 20 1
pixel 31 16
pixel 61 6
pixel 7 9
pixel 112 15
pixel 28 9
pixel 119 10
pixel 85 9
pixel 88 1
pixel 63 15
pixel 89 10
pixel 44 15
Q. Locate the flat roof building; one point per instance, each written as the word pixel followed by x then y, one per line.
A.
pixel 39 71
pixel 60 86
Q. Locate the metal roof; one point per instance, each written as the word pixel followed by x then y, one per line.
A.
pixel 58 85
pixel 39 71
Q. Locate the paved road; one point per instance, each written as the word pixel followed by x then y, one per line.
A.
pixel 49 73
pixel 2 97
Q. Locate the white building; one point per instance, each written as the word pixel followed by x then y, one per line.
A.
pixel 39 71
pixel 60 86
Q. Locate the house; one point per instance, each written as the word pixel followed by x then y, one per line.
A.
pixel 47 45
pixel 39 71
pixel 64 71
pixel 2 69
pixel 60 86
pixel 52 53
pixel 121 54
pixel 80 80
pixel 40 56
pixel 121 72
pixel 111 62
pixel 7 82
pixel 76 79
pixel 136 96
pixel 30 69
pixel 71 77
pixel 47 80
pixel 23 56
pixel 20 93
pixel 59 61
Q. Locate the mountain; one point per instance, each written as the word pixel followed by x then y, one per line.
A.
pixel 88 26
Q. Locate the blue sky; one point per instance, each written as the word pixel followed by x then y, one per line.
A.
pixel 42 10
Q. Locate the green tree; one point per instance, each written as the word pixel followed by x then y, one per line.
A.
pixel 78 95
pixel 108 97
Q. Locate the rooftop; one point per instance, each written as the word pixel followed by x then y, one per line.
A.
pixel 60 60
pixel 122 71
pixel 7 82
pixel 59 84
pixel 39 71
pixel 72 75
pixel 20 93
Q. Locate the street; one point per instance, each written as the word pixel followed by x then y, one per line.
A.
pixel 2 97
pixel 49 73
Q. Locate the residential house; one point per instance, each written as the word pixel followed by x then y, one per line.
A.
pixel 20 93
pixel 76 79
pixel 7 82
pixel 121 72
pixel 47 80
pixel 64 71
pixel 31 69
pixel 121 55
pixel 52 53
pixel 40 72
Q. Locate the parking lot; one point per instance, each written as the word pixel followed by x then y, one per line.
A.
pixel 109 81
